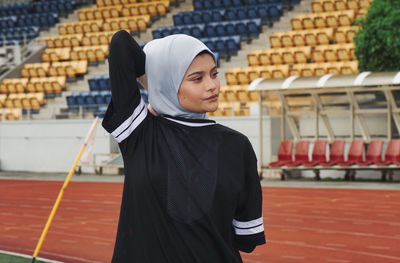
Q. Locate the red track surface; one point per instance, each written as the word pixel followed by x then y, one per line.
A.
pixel 302 224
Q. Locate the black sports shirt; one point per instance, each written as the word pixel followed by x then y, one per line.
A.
pixel 191 191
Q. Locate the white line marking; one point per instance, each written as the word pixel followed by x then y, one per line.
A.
pixel 28 256
pixel 336 245
pixel 379 247
pixel 69 241
pixel 337 260
pixel 292 257
pixel 350 251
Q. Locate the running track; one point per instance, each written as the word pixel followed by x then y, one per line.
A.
pixel 302 224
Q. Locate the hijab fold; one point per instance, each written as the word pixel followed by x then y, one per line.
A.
pixel 167 60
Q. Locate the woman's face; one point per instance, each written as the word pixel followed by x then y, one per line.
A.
pixel 199 89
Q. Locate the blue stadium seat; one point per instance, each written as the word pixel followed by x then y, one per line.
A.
pixel 198 5
pixel 242 14
pixel 93 83
pixel 178 19
pixel 88 98
pixel 206 16
pixel 237 2
pixel 196 32
pixel 216 16
pixel 230 29
pixel 207 4
pixel 187 19
pixel 218 3
pixel 227 3
pixel 104 82
pixel 156 33
pixel 231 14
pixel 197 19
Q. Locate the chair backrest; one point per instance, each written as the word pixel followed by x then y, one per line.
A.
pixel 301 152
pixel 336 152
pixel 393 150
pixel 285 150
pixel 374 151
pixel 356 151
pixel 319 151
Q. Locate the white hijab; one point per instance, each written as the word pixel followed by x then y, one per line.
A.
pixel 167 60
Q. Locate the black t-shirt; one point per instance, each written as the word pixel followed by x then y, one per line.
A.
pixel 191 190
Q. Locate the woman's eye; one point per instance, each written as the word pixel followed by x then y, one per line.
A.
pixel 197 79
pixel 215 74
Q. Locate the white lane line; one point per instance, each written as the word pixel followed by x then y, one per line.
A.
pixel 337 260
pixel 10 236
pixel 379 247
pixel 328 221
pixel 336 245
pixel 28 256
pixel 352 213
pixel 292 257
pixel 350 251
pixel 289 230
pixel 361 223
pixel 102 243
pixel 294 220
pixel 69 241
pixel 386 215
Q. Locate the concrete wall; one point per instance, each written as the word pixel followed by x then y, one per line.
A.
pixel 52 145
pixel 45 146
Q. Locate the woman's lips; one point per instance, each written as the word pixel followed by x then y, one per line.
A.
pixel 212 98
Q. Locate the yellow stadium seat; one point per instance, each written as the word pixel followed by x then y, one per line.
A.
pixel 317 7
pixel 3 98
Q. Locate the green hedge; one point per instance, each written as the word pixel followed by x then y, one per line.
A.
pixel 378 40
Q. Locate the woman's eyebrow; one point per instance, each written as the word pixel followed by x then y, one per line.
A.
pixel 195 73
pixel 201 72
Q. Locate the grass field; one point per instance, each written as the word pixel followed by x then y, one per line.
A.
pixel 4 258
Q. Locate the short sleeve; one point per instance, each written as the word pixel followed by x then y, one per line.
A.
pixel 126 109
pixel 248 220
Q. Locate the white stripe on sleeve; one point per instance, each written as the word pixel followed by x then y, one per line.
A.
pixel 129 125
pixel 248 227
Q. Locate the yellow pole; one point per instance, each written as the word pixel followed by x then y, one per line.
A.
pixel 60 194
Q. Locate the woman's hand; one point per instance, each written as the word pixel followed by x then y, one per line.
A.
pixel 152 111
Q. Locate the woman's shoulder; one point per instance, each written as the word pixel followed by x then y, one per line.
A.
pixel 230 133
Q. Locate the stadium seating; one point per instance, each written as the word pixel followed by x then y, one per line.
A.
pixel 56 54
pixel 311 37
pixel 373 154
pixel 300 154
pixel 73 40
pixel 318 154
pixel 10 114
pixel 18 34
pixel 244 75
pixel 63 7
pixel 392 154
pixel 277 56
pixel 336 153
pixel 336 52
pixel 323 20
pixel 98 83
pixel 355 154
pixel 15 9
pixel 284 154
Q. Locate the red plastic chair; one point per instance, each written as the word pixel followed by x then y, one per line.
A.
pixel 336 153
pixel 284 154
pixel 374 153
pixel 355 153
pixel 300 154
pixel 319 153
pixel 392 154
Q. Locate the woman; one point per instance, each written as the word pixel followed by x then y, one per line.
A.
pixel 191 191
